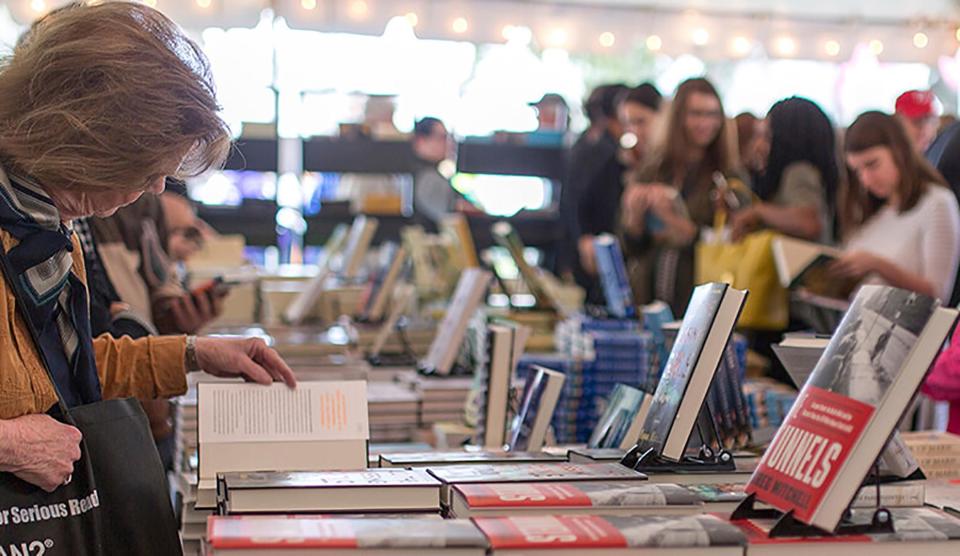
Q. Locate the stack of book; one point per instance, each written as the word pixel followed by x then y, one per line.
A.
pixel 768 403
pixel 441 398
pixel 394 412
pixel 938 453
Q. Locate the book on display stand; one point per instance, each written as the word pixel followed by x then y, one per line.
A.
pixel 845 416
pixel 467 297
pixel 680 433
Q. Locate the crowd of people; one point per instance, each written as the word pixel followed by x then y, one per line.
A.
pixel 661 173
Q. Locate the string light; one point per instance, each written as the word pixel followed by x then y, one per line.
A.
pixel 607 39
pixel 38 5
pixel 412 19
pixel 740 45
pixel 460 25
pixel 359 9
pixel 832 48
pixel 876 46
pixel 701 37
pixel 654 43
pixel 786 46
pixel 204 3
pixel 920 40
pixel 309 4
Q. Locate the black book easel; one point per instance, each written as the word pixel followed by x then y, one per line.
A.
pixel 788 526
pixel 705 442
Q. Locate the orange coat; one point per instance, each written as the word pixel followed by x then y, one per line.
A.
pixel 147 368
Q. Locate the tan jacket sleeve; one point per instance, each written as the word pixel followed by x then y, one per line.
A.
pixel 147 368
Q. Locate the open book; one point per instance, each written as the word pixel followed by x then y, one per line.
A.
pixel 805 264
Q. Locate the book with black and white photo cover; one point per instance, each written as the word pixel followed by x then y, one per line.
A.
pixel 507 237
pixel 251 535
pixel 492 457
pixel 600 498
pixel 470 292
pixel 704 333
pixel 503 343
pixel 318 426
pixel 917 532
pixel 622 420
pixel 369 490
pixel 303 304
pixel 725 497
pixel 586 535
pixel 381 288
pixel 358 242
pixel 805 264
pixel 531 473
pixel 537 405
pixel 613 277
pixel 851 404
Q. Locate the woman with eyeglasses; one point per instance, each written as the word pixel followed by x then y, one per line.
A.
pixel 673 195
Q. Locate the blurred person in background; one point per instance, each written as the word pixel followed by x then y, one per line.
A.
pixel 900 223
pixel 638 109
pixel 433 195
pixel 796 192
pixel 592 189
pixel 917 111
pixel 669 199
pixel 753 143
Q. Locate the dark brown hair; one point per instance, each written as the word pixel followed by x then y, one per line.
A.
pixel 108 96
pixel 876 129
pixel 674 160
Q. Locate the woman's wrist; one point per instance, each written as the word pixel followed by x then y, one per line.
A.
pixel 190 360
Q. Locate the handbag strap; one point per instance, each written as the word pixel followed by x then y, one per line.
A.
pixel 8 275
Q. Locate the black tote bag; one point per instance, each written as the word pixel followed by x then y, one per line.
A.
pixel 116 502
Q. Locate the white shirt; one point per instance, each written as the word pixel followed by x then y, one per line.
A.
pixel 924 240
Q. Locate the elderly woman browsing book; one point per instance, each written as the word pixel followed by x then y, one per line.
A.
pixel 98 104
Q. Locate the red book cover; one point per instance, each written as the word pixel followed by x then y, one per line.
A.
pixel 550 532
pixel 508 495
pixel 279 532
pixel 801 463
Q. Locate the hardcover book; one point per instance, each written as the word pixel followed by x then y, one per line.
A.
pixel 613 277
pixel 308 535
pixel 804 264
pixel 372 490
pixel 851 404
pixel 383 283
pixel 538 403
pixel 706 328
pixel 429 459
pixel 531 473
pixel 600 498
pixel 466 298
pixel 619 426
pixel 591 534
pixel 917 531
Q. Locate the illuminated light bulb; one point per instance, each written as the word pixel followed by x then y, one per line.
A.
pixel 740 46
pixel 309 4
pixel 628 140
pixel 38 5
pixel 700 37
pixel 204 3
pixel 786 46
pixel 832 48
pixel 876 46
pixel 654 43
pixel 460 25
pixel 607 39
pixel 412 19
pixel 920 40
pixel 359 9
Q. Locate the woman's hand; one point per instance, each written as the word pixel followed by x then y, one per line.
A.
pixel 856 265
pixel 39 450
pixel 249 358
pixel 744 221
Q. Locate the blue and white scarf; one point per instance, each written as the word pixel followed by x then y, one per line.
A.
pixel 55 299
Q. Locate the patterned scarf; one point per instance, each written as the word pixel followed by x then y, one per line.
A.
pixel 54 298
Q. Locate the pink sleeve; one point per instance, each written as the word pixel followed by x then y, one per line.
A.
pixel 943 382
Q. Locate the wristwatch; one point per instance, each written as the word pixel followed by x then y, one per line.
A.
pixel 190 355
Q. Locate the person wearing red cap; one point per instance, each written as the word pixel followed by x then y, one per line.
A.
pixel 917 111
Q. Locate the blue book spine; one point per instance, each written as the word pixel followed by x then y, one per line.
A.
pixel 613 277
